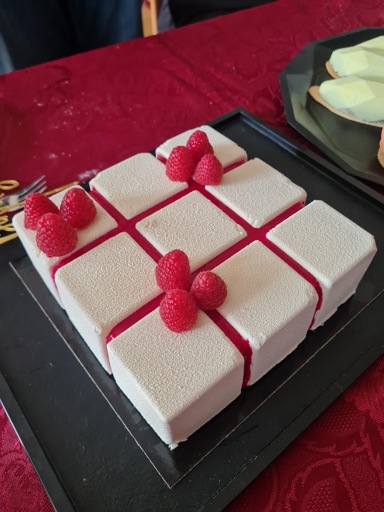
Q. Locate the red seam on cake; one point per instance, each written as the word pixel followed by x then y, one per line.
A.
pixel 129 225
pixel 234 165
pixel 300 270
pixel 162 159
pixel 242 345
pixel 121 220
pixel 134 317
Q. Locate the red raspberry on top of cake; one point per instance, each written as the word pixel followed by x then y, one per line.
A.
pixel 77 208
pixel 55 236
pixel 35 206
pixel 178 310
pixel 209 290
pixel 180 164
pixel 199 145
pixel 209 170
pixel 173 271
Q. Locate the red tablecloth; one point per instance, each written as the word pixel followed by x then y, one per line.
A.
pixel 71 118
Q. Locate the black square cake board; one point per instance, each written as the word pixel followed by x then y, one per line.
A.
pixel 73 423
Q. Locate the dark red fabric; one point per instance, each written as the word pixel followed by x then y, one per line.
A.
pixel 71 118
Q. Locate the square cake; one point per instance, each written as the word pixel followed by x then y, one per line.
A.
pixel 187 291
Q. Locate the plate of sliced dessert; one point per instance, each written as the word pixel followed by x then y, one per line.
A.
pixel 320 101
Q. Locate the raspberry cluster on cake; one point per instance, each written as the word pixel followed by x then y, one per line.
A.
pixel 198 272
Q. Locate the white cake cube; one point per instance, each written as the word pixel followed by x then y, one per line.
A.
pixel 225 149
pixel 102 224
pixel 257 192
pixel 335 250
pixel 135 184
pixel 177 382
pixel 194 225
pixel 103 286
pixel 268 303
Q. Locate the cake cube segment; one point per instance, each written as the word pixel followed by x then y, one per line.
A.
pixel 268 303
pixel 194 225
pixel 177 382
pixel 102 224
pixel 225 149
pixel 135 184
pixel 105 285
pixel 257 192
pixel 335 250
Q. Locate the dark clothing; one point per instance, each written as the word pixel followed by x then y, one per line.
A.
pixel 35 31
pixel 185 12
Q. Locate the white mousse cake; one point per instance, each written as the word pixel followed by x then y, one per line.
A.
pixel 111 292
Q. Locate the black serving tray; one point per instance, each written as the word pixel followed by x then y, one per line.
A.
pixel 92 450
pixel 352 146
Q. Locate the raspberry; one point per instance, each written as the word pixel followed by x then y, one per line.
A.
pixel 77 208
pixel 199 145
pixel 209 290
pixel 180 164
pixel 173 271
pixel 55 236
pixel 209 171
pixel 35 206
pixel 178 310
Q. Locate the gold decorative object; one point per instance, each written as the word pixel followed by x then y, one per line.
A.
pixel 8 185
pixel 7 226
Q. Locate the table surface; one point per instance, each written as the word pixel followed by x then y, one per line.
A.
pixel 75 117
